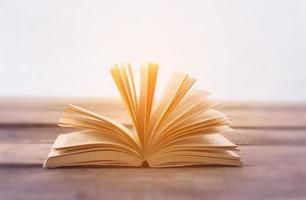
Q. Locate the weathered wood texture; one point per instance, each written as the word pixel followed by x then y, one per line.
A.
pixel 46 112
pixel 272 139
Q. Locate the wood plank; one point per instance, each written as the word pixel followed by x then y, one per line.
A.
pixel 268 137
pixel 34 154
pixel 46 112
pixel 39 135
pixel 270 172
pixel 35 143
pixel 272 139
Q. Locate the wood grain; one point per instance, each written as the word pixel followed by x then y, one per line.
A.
pixel 242 137
pixel 46 112
pixel 271 172
pixel 272 139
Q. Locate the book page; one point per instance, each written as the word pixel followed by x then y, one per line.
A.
pixel 175 90
pixel 80 118
pixel 199 150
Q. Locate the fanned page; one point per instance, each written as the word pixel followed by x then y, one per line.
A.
pixel 181 128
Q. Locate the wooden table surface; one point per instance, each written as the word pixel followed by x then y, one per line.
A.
pixel 272 139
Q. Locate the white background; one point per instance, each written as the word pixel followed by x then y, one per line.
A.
pixel 238 50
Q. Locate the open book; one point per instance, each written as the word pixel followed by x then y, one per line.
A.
pixel 180 129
